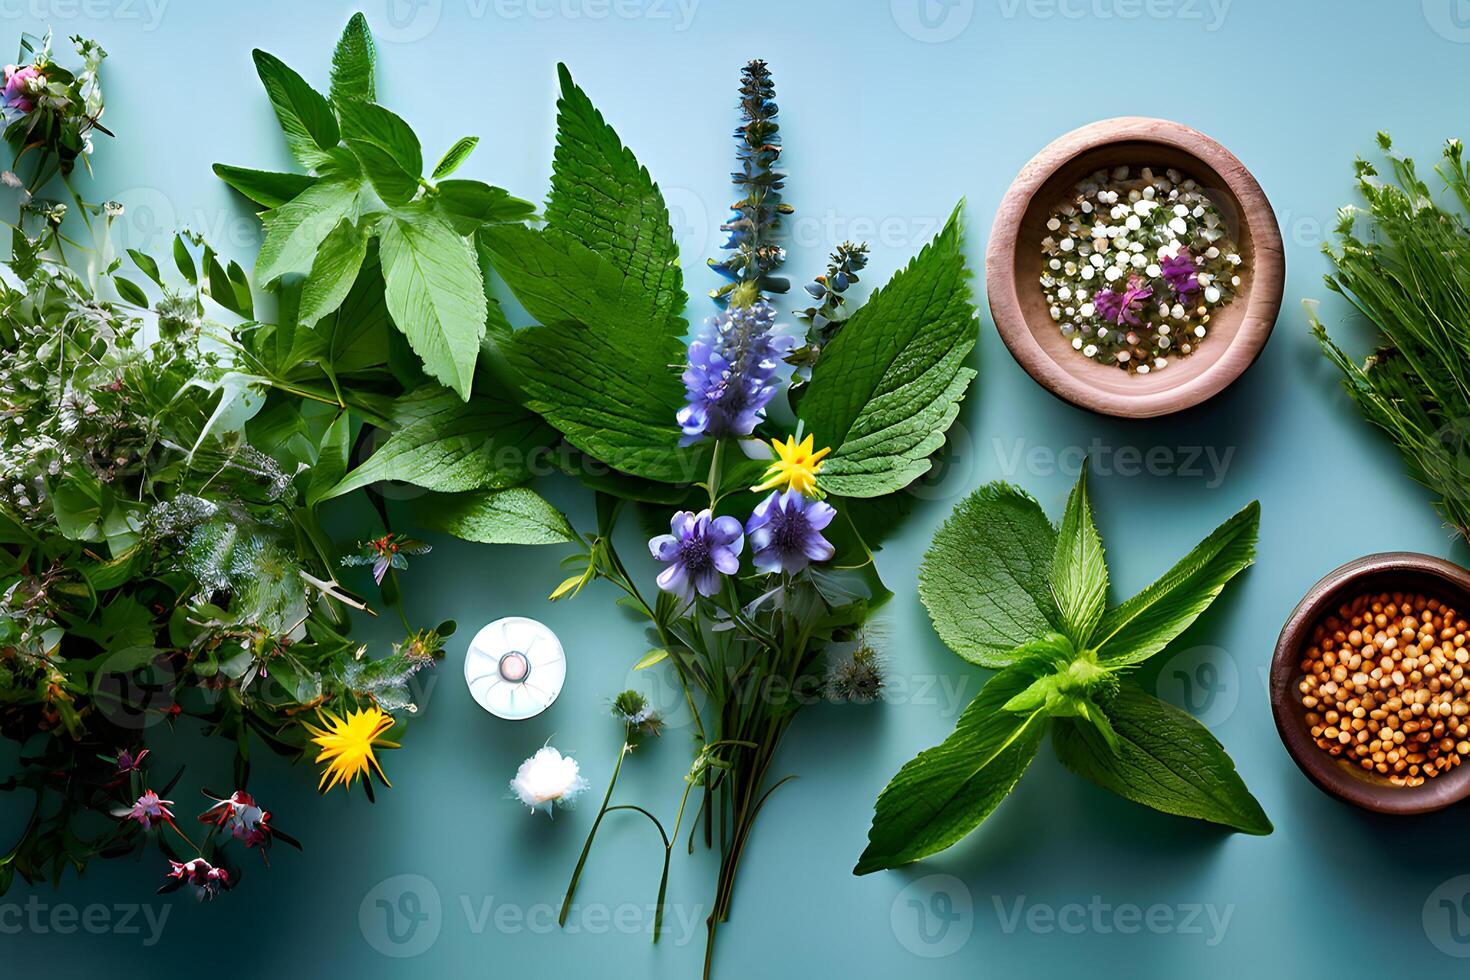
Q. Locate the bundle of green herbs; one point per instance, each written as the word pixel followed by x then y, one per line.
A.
pixel 1403 262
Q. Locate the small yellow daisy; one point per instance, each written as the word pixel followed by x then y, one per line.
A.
pixel 796 466
pixel 347 745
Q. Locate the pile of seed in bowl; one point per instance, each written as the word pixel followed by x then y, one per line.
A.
pixel 1385 686
pixel 1133 266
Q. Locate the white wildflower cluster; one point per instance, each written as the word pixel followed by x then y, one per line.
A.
pixel 1135 264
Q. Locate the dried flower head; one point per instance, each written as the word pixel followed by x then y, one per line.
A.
pixel 856 678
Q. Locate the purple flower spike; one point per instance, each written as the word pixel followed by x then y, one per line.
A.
pixel 731 374
pixel 700 550
pixel 786 532
pixel 1122 307
pixel 1181 273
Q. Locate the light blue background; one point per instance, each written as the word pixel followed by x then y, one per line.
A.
pixel 885 129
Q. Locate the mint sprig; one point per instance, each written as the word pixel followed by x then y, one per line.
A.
pixel 1006 589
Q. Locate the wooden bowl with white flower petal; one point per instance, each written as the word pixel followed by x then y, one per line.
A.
pixel 1238 330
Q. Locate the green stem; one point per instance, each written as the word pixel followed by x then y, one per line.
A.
pixel 566 905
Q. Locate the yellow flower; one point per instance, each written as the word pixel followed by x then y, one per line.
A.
pixel 796 466
pixel 347 745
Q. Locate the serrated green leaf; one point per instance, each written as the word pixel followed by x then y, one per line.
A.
pixel 264 187
pixel 1079 572
pixel 469 204
pixel 1148 622
pixel 603 197
pixel 513 516
pixel 884 392
pixel 434 293
pixel 599 367
pixel 305 116
pixel 333 272
pixel 984 578
pixel 1163 759
pixel 442 443
pixel 352 63
pixel 945 792
pixel 295 230
pixel 386 147
pixel 455 155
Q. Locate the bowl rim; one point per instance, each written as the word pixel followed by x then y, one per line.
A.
pixel 1263 304
pixel 1326 772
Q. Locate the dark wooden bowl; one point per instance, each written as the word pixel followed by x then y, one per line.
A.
pixel 1399 571
pixel 1013 263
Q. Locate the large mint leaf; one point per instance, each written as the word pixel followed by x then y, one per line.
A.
pixel 304 113
pixel 352 63
pixel 1079 572
pixel 945 792
pixel 1163 759
pixel 264 187
pixel 512 516
pixel 1148 622
pixel 434 291
pixel 471 203
pixel 294 230
pixel 387 148
pixel 604 198
pixel 600 368
pixel 884 392
pixel 984 578
pixel 445 444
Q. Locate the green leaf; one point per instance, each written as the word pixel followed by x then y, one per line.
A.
pixel 604 198
pixel 456 155
pixel 1148 622
pixel 294 230
pixel 305 116
pixel 600 367
pixel 434 293
pixel 1164 759
pixel 147 264
pixel 331 460
pixel 945 792
pixel 352 63
pixel 445 444
pixel 884 392
pixel 130 291
pixel 386 147
pixel 985 578
pixel 512 516
pixel 230 287
pixel 264 187
pixel 1079 572
pixel 655 656
pixel 472 203
pixel 184 261
pixel 332 272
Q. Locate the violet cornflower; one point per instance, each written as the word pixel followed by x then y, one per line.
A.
pixel 21 83
pixel 1180 273
pixel 731 375
pixel 700 550
pixel 786 532
pixel 1122 307
pixel 148 810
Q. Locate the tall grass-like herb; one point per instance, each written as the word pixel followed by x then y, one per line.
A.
pixel 1403 261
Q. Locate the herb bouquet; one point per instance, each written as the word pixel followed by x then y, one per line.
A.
pixel 169 448
pixel 767 580
pixel 1403 262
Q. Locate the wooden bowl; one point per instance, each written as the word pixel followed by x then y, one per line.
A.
pixel 1399 571
pixel 1013 265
